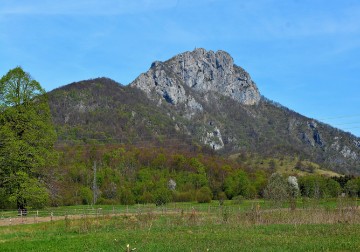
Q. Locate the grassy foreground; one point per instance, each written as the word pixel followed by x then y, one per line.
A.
pixel 177 232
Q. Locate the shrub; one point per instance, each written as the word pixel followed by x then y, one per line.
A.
pixel 162 196
pixel 276 190
pixel 146 197
pixel 238 199
pixel 104 201
pixel 351 188
pixel 127 197
pixel 204 195
pixel 333 188
pixel 183 196
pixel 238 183
pixel 221 196
pixel 86 195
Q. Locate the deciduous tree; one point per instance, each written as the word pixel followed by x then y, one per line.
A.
pixel 26 132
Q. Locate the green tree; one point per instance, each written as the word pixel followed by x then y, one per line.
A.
pixel 18 88
pixel 260 182
pixel 26 132
pixel 238 183
pixel 277 190
pixel 204 195
pixel 162 195
pixel 352 188
pixel 333 188
pixel 126 196
pixel 315 186
pixel 86 195
pixel 198 177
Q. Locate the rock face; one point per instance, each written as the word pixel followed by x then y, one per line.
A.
pixel 192 80
pixel 202 72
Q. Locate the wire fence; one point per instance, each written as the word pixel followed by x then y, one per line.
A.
pixel 13 217
pixel 257 211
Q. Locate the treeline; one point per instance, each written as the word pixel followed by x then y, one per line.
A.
pixel 128 175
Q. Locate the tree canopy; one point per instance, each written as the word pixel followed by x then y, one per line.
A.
pixel 18 88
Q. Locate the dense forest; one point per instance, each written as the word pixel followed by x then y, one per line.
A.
pixel 126 174
pixel 113 174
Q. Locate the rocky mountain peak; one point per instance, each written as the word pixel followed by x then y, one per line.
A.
pixel 198 97
pixel 197 71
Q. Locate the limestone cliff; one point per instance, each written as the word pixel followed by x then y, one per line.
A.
pixel 202 72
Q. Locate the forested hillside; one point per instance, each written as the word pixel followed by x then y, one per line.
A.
pixel 113 174
pixel 194 127
pixel 103 111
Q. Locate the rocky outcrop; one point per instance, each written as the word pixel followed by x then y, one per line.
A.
pixel 202 72
pixel 205 71
pixel 214 139
pixel 189 81
pixel 313 136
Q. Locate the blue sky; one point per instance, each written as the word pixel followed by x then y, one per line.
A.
pixel 303 54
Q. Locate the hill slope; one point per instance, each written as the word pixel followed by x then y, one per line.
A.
pixel 202 97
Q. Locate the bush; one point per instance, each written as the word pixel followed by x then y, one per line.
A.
pixel 204 195
pixel 333 188
pixel 127 197
pixel 162 196
pixel 104 201
pixel 221 196
pixel 183 196
pixel 238 183
pixel 86 195
pixel 238 199
pixel 351 188
pixel 145 198
pixel 276 190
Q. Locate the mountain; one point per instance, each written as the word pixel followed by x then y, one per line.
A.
pixel 199 97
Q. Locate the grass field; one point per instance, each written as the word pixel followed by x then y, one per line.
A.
pixel 114 234
pixel 287 166
pixel 199 228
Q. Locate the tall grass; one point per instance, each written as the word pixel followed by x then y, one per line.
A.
pixel 180 232
pixel 251 226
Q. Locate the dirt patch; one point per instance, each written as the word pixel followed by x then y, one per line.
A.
pixel 31 220
pixel 34 219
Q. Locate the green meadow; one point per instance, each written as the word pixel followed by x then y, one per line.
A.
pixel 210 227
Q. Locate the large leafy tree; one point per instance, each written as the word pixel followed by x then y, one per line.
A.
pixel 26 133
pixel 238 183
